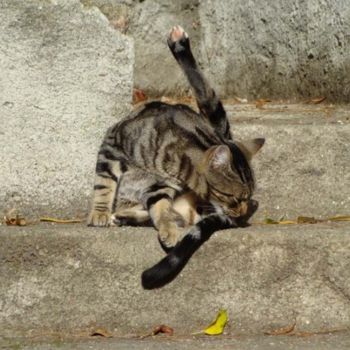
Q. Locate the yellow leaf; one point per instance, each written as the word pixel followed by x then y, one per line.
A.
pixel 60 221
pixel 287 222
pixel 217 327
pixel 339 218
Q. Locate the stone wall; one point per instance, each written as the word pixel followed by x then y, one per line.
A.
pixel 66 75
pixel 289 49
pixel 278 49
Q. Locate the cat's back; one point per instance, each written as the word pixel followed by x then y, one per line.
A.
pixel 158 119
pixel 160 114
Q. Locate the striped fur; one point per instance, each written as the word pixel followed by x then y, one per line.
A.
pixel 170 166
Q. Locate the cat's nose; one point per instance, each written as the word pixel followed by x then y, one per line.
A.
pixel 252 207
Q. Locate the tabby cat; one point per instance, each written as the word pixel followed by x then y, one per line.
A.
pixel 171 166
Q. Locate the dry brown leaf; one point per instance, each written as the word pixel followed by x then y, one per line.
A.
pixel 187 99
pixel 261 102
pixel 323 331
pixel 101 332
pixel 13 218
pixel 315 101
pixel 138 96
pixel 183 99
pixel 283 330
pixel 169 100
pixel 159 329
pixel 240 100
pixel 163 329
pixel 121 23
pixel 60 221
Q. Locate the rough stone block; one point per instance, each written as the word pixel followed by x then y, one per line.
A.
pixel 66 75
pixel 304 167
pixel 73 278
pixel 148 23
pixel 285 49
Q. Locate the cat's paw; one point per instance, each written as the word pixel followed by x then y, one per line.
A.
pixel 248 209
pixel 168 235
pixel 119 221
pixel 99 219
pixel 178 39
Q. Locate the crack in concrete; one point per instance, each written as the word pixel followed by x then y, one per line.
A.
pixel 336 288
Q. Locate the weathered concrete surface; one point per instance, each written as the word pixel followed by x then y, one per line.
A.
pixel 148 23
pixel 66 75
pixel 74 278
pixel 337 341
pixel 304 167
pixel 285 49
pixel 282 49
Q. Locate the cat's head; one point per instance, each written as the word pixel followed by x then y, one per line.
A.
pixel 229 175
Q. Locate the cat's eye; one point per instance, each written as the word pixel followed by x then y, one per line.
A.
pixel 218 194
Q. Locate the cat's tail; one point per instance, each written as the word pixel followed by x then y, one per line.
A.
pixel 171 265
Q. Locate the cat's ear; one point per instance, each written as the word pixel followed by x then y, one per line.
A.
pixel 219 156
pixel 250 147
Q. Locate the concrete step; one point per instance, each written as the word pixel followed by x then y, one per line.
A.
pixel 304 166
pixel 337 341
pixel 72 278
pixel 303 169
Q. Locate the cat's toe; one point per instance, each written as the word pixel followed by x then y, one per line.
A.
pixel 98 219
pixel 164 247
pixel 177 33
pixel 169 242
pixel 168 236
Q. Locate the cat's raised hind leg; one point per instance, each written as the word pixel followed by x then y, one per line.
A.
pixel 207 100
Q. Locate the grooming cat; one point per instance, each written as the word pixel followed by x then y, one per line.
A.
pixel 162 155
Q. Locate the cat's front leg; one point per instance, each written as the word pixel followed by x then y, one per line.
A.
pixel 106 180
pixel 101 211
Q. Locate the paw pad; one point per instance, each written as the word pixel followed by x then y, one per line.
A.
pixel 177 33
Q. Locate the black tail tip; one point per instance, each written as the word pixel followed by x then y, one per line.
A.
pixel 148 281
